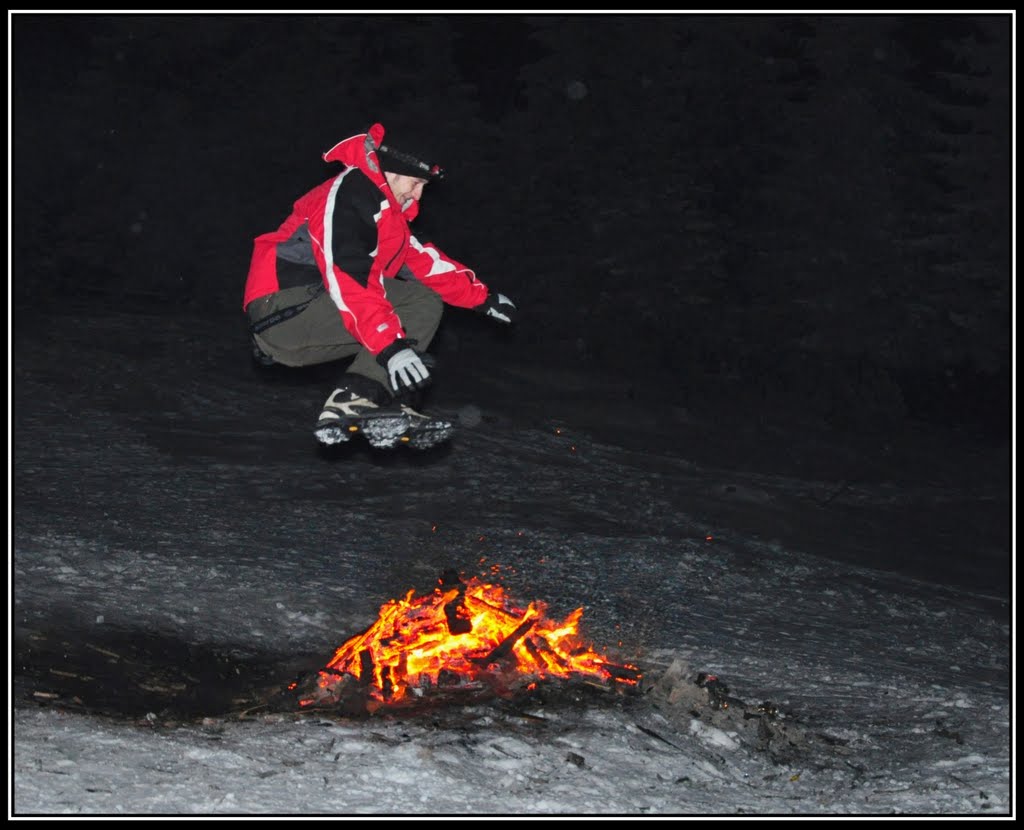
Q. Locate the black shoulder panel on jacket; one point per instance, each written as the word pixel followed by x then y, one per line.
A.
pixel 359 192
pixel 354 227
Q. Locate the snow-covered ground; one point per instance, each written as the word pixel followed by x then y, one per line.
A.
pixel 182 551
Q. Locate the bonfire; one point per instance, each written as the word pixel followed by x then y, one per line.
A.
pixel 463 641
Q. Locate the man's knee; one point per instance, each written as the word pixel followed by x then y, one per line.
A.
pixel 421 304
pixel 434 304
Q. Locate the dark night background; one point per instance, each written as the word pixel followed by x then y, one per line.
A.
pixel 795 213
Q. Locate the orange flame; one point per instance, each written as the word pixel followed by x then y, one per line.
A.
pixel 464 632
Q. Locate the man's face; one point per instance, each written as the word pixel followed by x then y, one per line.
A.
pixel 405 188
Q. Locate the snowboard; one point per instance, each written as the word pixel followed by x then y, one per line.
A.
pixel 388 429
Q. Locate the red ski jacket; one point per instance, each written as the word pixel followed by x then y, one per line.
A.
pixel 358 236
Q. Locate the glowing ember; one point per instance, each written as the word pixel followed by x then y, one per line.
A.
pixel 462 636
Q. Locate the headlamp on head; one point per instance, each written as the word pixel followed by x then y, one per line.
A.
pixel 405 164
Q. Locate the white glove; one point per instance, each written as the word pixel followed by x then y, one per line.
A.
pixel 405 367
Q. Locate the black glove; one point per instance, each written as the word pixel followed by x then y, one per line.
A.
pixel 405 366
pixel 498 307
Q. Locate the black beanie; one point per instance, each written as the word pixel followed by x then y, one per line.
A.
pixel 401 157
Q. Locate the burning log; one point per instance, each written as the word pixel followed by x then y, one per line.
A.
pixel 504 648
pixel 464 641
pixel 626 674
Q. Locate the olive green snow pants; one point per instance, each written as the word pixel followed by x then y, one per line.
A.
pixel 316 334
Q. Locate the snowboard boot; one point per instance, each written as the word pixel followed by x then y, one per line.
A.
pixel 425 431
pixel 361 405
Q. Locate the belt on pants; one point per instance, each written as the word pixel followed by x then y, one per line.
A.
pixel 279 316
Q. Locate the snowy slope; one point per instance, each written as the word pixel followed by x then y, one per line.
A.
pixel 181 550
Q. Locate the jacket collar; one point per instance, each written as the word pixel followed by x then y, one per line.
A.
pixel 360 151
